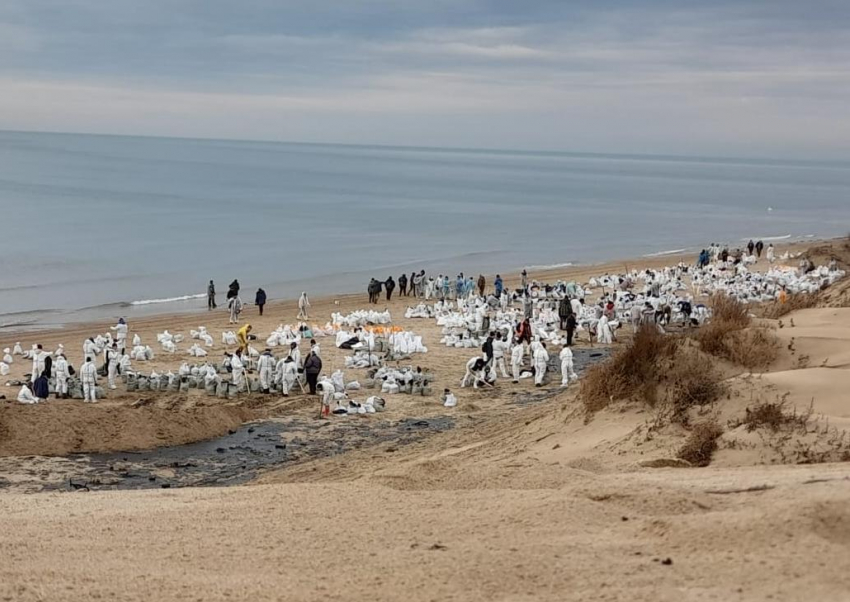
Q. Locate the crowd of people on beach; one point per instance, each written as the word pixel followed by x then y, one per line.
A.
pixel 516 330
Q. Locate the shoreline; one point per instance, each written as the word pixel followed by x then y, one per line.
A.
pixel 143 311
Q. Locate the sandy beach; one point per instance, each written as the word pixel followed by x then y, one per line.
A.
pixel 516 494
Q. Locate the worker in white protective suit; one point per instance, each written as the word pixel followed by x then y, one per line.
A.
pixel 303 306
pixel 517 353
pixel 88 377
pixel 500 348
pixel 265 366
pixel 771 253
pixel 287 373
pixel 235 305
pixel 603 331
pixel 120 333
pixel 25 395
pixel 474 371
pixel 90 349
pixel 541 361
pixel 61 373
pixel 113 358
pixel 448 399
pixel 295 354
pixel 237 370
pixel 39 361
pixel 568 373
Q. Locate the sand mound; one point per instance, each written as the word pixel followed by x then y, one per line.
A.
pixel 64 427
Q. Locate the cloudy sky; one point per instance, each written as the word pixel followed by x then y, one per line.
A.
pixel 744 78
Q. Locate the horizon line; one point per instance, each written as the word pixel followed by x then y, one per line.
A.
pixel 478 150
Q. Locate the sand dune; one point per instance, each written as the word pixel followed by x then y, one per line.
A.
pixel 521 501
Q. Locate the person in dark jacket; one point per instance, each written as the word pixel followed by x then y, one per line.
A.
pixel 482 284
pixel 564 310
pixel 260 299
pixel 759 248
pixel 402 285
pixel 312 368
pixel 750 246
pixel 389 286
pixel 487 348
pixel 211 296
pixel 571 328
pixel 40 387
pixel 499 285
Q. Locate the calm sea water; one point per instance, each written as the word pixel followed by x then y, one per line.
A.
pixel 96 223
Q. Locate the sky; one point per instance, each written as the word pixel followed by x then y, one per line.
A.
pixel 765 78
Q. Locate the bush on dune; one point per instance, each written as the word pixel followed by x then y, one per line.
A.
pixel 701 443
pixel 730 336
pixel 652 362
pixel 776 310
pixel 632 369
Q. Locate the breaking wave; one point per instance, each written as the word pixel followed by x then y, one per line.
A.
pixel 168 299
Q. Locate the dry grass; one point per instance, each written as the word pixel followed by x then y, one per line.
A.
pixel 730 336
pixel 701 443
pixel 654 362
pixel 691 381
pixel 776 310
pixel 633 368
pixel 728 310
pixel 773 415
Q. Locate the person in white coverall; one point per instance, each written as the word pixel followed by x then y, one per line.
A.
pixel 61 372
pixel 517 353
pixel 603 331
pixel 265 366
pixel 238 370
pixel 113 358
pixel 567 370
pixel 88 376
pixel 474 371
pixel 541 361
pixel 25 395
pixel 287 373
pixel 39 359
pixel 120 333
pixel 303 305
pixel 500 348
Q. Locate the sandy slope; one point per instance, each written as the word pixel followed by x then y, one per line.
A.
pixel 520 503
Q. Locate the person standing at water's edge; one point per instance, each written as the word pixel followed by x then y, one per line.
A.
pixel 235 305
pixel 303 306
pixel 389 286
pixel 211 296
pixel 260 299
pixel 402 285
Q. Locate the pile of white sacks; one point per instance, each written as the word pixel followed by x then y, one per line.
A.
pixel 169 341
pixel 361 317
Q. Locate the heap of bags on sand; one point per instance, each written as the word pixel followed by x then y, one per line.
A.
pixel 410 380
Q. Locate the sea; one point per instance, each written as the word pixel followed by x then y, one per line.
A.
pixel 98 227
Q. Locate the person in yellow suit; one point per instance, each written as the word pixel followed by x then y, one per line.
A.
pixel 242 337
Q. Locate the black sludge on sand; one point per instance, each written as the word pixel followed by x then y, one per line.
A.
pixel 239 456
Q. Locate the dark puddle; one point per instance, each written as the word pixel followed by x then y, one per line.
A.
pixel 582 359
pixel 241 455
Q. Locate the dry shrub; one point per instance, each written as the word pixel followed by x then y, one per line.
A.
pixel 652 362
pixel 728 310
pixel 776 310
pixel 701 443
pixel 773 416
pixel 632 369
pixel 691 381
pixel 726 336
